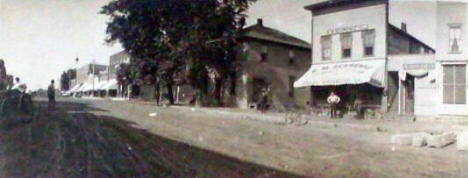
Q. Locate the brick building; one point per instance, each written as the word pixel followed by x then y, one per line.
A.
pixel 272 61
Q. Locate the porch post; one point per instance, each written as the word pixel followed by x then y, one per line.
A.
pixel 399 96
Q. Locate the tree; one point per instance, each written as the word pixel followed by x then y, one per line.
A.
pixel 163 37
pixel 65 79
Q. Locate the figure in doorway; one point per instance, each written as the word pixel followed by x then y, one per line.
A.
pixel 264 99
pixel 333 101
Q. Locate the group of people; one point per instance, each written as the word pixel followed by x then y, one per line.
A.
pixel 21 88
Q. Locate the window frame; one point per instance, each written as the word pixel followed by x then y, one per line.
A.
pixel 292 57
pixel 364 46
pixel 451 27
pixel 264 54
pixel 342 38
pixel 324 49
pixel 453 84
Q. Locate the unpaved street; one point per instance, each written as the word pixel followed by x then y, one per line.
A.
pixel 102 138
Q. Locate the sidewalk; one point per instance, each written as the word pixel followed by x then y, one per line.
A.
pixel 397 125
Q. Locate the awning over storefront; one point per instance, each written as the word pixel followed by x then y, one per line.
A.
pixel 90 87
pixel 82 88
pixel 101 85
pixel 75 88
pixel 111 85
pixel 332 74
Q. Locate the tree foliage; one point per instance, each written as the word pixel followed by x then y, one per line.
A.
pixel 65 79
pixel 176 41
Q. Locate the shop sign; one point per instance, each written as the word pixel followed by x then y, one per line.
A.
pixel 420 66
pixel 347 29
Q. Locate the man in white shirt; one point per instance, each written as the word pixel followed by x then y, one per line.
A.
pixel 333 100
pixel 21 87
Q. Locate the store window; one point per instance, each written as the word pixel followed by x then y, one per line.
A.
pixel 346 45
pixel 368 39
pixel 326 42
pixel 454 87
pixel 454 38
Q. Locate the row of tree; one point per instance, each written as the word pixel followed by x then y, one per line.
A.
pixel 177 41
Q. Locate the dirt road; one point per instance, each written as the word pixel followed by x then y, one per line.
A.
pixel 101 138
pixel 75 142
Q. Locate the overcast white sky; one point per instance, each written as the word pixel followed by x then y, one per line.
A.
pixel 41 38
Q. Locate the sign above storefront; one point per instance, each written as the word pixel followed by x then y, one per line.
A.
pixel 333 74
pixel 420 66
pixel 347 29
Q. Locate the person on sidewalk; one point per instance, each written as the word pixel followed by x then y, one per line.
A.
pixel 333 101
pixel 51 95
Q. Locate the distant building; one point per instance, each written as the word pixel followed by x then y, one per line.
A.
pixel 84 72
pixel 115 60
pixel 361 56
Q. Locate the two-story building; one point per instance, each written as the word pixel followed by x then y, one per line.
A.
pixel 272 61
pixel 451 59
pixel 358 54
pixel 87 79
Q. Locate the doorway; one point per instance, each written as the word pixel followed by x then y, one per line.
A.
pixel 407 96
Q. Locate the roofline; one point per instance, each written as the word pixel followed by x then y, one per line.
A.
pixel 331 3
pixel 251 26
pixel 276 42
pixel 398 30
pixel 317 5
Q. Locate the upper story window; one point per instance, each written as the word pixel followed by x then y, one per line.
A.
pixel 346 45
pixel 368 40
pixel 264 54
pixel 454 38
pixel 326 43
pixel 292 56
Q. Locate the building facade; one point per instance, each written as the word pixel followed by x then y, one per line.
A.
pixel 358 54
pixel 83 73
pixel 451 58
pixel 115 60
pixel 272 61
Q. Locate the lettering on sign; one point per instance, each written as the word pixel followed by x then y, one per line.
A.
pixel 425 66
pixel 345 66
pixel 348 29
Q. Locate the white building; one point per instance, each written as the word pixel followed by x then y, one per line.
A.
pixel 357 53
pixel 451 58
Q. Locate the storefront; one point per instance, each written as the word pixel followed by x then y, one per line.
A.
pixel 357 83
pixel 357 54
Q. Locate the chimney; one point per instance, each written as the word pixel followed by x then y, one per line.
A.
pixel 260 22
pixel 403 27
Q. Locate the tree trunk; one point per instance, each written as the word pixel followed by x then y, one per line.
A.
pixel 218 90
pixel 158 93
pixel 170 93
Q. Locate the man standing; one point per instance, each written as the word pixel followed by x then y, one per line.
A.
pixel 51 95
pixel 333 101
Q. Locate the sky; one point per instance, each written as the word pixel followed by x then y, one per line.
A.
pixel 39 39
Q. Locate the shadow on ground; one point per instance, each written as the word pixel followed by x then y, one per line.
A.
pixel 80 144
